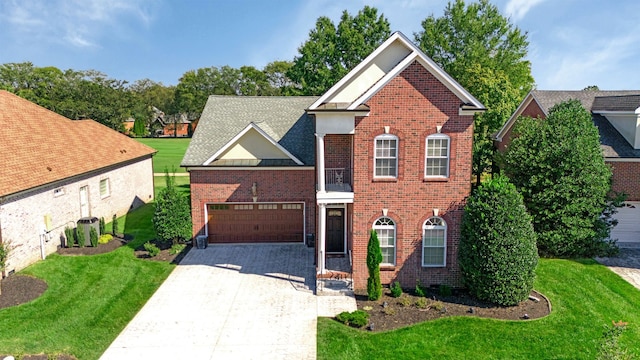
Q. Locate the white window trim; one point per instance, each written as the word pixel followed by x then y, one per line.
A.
pixel 108 188
pixel 426 145
pixel 375 147
pixel 395 239
pixel 428 226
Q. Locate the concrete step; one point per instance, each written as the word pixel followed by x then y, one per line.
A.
pixel 334 287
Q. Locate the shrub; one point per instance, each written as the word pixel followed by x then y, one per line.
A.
pixel 445 290
pixel 93 237
pixel 105 238
pixel 420 291
pixel 358 318
pixel 177 248
pixel 80 237
pixel 152 249
pixel 422 303
pixel 405 301
pixel 114 225
pixel 102 226
pixel 172 215
pixel 374 258
pixel 69 235
pixel 396 289
pixel 497 253
pixel 558 167
pixel 5 250
pixel 437 305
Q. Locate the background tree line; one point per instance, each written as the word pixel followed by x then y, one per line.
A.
pixel 474 43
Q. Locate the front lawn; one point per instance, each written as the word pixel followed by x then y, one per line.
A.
pixel 170 152
pixel 585 297
pixel 89 299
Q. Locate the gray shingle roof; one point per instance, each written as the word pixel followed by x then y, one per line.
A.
pixel 283 118
pixel 612 143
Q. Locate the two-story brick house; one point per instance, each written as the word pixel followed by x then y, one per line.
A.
pixel 388 148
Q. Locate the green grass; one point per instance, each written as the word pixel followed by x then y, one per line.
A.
pixel 89 299
pixel 170 152
pixel 585 297
pixel 181 182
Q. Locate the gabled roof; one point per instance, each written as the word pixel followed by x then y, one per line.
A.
pixel 612 142
pixel 39 147
pixel 546 99
pixel 224 118
pixel 380 67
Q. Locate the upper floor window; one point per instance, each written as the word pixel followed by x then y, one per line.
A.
pixel 436 163
pixel 434 242
pixel 386 156
pixel 385 228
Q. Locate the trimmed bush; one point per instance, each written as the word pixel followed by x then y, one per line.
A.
pixel 358 318
pixel 172 215
pixel 69 235
pixel 105 238
pixel 396 289
pixel 114 225
pixel 80 237
pixel 177 248
pixel 420 290
pixel 497 253
pixel 374 258
pixel 102 226
pixel 152 249
pixel 93 237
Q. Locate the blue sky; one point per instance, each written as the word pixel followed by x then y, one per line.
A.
pixel 573 43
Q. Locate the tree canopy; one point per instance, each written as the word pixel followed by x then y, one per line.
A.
pixel 486 54
pixel 558 167
pixel 332 51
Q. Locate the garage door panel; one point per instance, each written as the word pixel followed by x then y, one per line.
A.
pixel 243 223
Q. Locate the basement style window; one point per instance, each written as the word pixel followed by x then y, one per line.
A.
pixel 58 192
pixel 434 242
pixel 386 229
pixel 104 188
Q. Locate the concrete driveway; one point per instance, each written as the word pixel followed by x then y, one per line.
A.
pixel 232 302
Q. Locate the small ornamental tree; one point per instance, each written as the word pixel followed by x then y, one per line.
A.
pixel 172 216
pixel 102 226
pixel 5 250
pixel 374 258
pixel 93 237
pixel 114 225
pixel 497 253
pixel 80 237
pixel 558 167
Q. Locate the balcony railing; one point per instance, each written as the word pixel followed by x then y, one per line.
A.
pixel 338 179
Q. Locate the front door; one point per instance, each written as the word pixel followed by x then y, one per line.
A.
pixel 84 201
pixel 335 231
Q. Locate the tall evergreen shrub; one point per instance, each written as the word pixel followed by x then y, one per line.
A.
pixel 374 258
pixel 172 215
pixel 497 253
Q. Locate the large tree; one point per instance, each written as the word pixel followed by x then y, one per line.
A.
pixel 331 51
pixel 558 167
pixel 486 54
pixel 195 86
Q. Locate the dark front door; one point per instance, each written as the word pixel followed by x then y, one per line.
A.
pixel 335 231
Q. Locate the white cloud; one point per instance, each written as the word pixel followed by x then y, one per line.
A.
pixel 517 9
pixel 76 23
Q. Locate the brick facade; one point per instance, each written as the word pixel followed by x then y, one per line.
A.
pixel 412 105
pixel 277 185
pixel 626 178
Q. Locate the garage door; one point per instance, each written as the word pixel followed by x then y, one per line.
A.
pixel 265 222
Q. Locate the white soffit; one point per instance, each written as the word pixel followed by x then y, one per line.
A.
pixel 236 138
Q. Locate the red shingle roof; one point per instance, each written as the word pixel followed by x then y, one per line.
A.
pixel 39 146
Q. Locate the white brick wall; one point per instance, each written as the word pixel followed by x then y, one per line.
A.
pixel 22 217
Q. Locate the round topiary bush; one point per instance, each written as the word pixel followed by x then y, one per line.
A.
pixel 497 254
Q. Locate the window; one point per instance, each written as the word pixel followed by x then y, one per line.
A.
pixel 386 156
pixel 243 207
pixel 58 192
pixel 291 206
pixel 436 162
pixel 104 188
pixel 267 206
pixel 434 242
pixel 386 230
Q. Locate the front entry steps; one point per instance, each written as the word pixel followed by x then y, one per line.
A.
pixel 334 283
pixel 337 279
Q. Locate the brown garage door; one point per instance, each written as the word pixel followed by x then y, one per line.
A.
pixel 266 222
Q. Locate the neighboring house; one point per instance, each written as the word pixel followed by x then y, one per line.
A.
pixel 388 147
pixel 56 171
pixel 177 125
pixel 616 114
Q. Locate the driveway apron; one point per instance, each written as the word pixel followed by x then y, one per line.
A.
pixel 232 302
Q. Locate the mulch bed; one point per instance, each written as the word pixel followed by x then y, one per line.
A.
pixel 390 313
pixel 90 250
